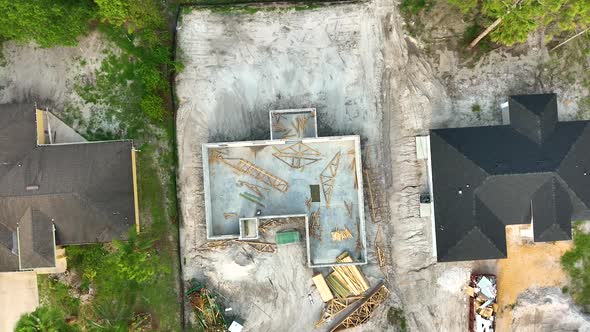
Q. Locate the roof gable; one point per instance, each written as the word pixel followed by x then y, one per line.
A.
pixel 534 116
pixel 36 241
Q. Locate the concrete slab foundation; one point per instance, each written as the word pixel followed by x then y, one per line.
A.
pixel 278 178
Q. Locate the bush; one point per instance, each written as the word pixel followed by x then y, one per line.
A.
pixel 576 262
pixel 44 319
pixel 48 22
pixel 152 106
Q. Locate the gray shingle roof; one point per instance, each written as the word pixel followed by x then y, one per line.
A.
pixel 86 189
pixel 36 240
pixel 485 178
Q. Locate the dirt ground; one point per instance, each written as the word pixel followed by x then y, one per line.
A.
pixel 366 75
pixel 47 76
pixel 239 67
pixel 529 265
pixel 18 295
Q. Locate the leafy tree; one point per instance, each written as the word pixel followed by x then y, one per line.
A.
pixel 48 22
pixel 521 17
pixel 44 319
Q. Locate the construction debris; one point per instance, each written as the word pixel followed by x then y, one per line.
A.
pixel 348 206
pixel 246 167
pixel 229 215
pixel 299 125
pixel 267 225
pixel 334 307
pixel 322 286
pixel 482 305
pixel 380 256
pixel 251 199
pixel 346 280
pixel 328 177
pixel 208 313
pixel 265 247
pixel 364 309
pixel 298 155
pixel 341 234
pixel 378 205
pixel 315 228
pixel 254 187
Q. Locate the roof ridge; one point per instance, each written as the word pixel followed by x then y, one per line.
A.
pixel 553 227
pixel 465 156
pixel 558 177
pixel 468 234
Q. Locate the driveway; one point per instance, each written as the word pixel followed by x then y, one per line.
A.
pixel 18 295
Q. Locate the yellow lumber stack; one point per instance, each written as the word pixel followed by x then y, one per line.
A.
pixel 348 277
pixel 322 287
pixel 341 234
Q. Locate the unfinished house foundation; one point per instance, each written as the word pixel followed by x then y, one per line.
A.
pixel 294 174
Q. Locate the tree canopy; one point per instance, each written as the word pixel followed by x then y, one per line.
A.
pixel 521 17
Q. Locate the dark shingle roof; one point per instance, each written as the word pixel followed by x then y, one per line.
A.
pixel 36 240
pixel 485 178
pixel 86 189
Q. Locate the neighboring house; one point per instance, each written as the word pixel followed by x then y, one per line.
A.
pixel 59 194
pixel 534 171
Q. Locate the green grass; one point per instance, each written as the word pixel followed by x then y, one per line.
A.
pixel 576 262
pixel 396 317
pixel 414 7
pixel 55 294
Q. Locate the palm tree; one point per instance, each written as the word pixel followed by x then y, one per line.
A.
pixel 43 319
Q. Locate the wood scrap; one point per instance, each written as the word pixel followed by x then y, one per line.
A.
pixel 341 234
pixel 348 206
pixel 254 187
pixel 314 226
pixel 229 215
pixel 308 204
pixel 380 256
pixel 263 247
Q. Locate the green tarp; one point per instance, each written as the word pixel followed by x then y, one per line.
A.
pixel 287 237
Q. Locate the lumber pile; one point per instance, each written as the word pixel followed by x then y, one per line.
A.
pixel 364 311
pixel 334 307
pixel 341 234
pixel 346 280
pixel 320 284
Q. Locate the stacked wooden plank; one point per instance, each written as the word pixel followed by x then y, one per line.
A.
pixel 322 287
pixel 347 280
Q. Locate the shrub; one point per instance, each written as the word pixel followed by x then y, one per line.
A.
pixel 48 22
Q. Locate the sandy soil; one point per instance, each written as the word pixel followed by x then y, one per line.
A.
pixel 547 309
pixel 529 265
pixel 358 66
pixel 47 76
pixel 238 67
